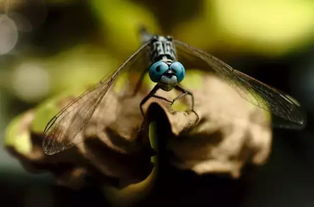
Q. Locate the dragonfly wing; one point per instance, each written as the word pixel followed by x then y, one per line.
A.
pixel 63 129
pixel 286 110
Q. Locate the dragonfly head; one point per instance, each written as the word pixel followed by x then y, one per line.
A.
pixel 167 73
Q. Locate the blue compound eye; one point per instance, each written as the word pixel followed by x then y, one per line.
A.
pixel 157 69
pixel 179 70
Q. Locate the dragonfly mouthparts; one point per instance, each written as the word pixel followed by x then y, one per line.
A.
pixel 168 81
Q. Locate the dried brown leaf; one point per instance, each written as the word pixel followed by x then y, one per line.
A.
pixel 116 150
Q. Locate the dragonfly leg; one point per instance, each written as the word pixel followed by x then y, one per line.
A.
pixel 151 93
pixel 139 83
pixel 184 93
pixel 162 98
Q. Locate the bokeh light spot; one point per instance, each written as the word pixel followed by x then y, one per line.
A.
pixel 8 34
pixel 30 82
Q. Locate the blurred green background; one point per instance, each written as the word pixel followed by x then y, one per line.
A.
pixel 48 47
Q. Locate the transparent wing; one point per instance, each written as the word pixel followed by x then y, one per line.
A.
pixel 286 111
pixel 62 130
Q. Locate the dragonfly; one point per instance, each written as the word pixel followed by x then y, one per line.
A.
pixel 165 59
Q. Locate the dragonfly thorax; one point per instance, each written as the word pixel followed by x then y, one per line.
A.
pixel 162 47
